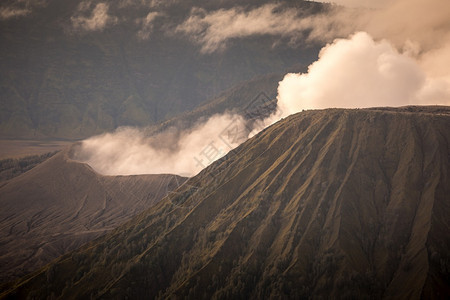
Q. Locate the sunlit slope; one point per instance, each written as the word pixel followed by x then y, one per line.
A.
pixel 332 203
pixel 61 204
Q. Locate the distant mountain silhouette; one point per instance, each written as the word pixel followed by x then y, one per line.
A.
pixel 59 82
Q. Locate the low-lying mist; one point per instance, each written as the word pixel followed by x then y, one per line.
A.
pixel 185 152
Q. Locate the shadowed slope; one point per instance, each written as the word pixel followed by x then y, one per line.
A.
pixel 331 203
pixel 61 204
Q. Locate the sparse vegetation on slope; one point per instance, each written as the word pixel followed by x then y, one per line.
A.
pixel 323 204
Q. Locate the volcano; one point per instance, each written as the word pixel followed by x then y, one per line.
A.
pixel 331 203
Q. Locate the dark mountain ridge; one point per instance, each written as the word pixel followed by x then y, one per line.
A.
pixel 331 203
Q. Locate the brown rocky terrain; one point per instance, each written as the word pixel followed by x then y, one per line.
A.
pixel 61 204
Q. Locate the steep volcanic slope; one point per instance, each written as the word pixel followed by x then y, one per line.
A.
pixel 332 203
pixel 61 204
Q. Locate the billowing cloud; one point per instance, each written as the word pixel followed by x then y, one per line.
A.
pixel 11 12
pixel 96 21
pixel 402 58
pixel 184 152
pixel 19 8
pixel 147 25
pixel 359 72
pixel 425 22
pixel 214 29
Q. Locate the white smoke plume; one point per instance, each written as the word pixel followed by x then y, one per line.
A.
pixel 394 61
pixel 185 152
pixel 401 58
pixel 360 72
